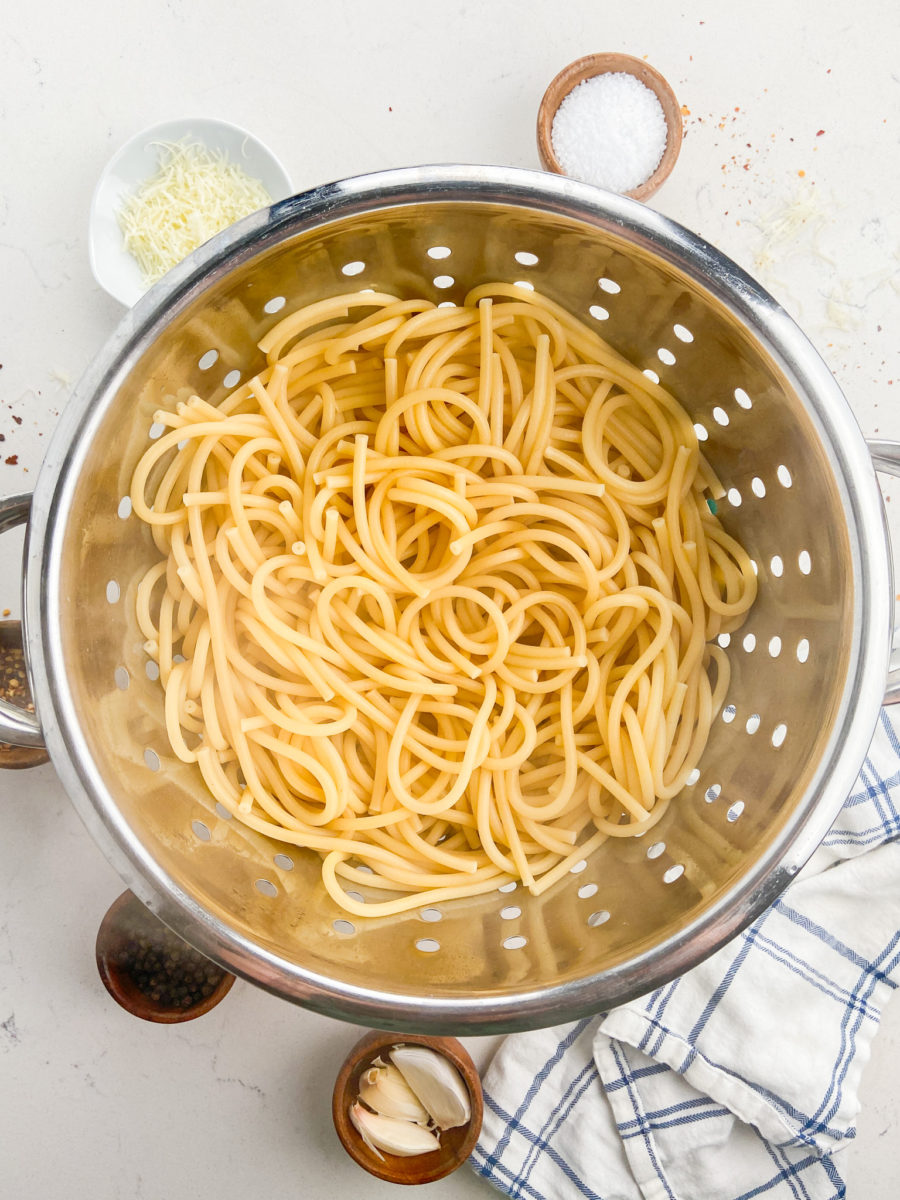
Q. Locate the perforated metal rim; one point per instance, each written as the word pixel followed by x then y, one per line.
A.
pixel 869 566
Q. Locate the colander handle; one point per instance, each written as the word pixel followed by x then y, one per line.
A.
pixel 17 727
pixel 886 458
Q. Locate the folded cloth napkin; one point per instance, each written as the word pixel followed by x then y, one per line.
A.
pixel 740 1079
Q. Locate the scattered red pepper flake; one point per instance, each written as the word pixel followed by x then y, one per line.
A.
pixel 18 420
pixel 801 174
pixel 819 134
pixel 685 111
pixel 12 460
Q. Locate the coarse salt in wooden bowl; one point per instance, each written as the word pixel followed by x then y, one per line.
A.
pixel 589 67
pixel 456 1144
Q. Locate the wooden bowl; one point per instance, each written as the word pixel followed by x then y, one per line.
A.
pixel 124 920
pixel 18 756
pixel 601 64
pixel 456 1144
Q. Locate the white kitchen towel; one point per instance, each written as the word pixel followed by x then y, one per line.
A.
pixel 740 1079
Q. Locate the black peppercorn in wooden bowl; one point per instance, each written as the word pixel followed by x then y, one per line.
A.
pixel 151 971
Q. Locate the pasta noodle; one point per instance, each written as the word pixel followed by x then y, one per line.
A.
pixel 438 592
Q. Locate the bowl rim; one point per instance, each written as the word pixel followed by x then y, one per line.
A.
pixel 856 707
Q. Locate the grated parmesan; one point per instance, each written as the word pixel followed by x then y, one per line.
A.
pixel 195 194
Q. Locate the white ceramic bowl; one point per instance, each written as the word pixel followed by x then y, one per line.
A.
pixel 113 267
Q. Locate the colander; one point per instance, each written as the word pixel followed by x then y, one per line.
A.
pixel 809 666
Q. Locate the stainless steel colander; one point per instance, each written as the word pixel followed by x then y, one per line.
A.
pixel 809 667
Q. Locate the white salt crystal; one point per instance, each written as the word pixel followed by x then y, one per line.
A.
pixel 610 131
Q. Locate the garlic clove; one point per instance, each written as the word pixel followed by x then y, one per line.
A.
pixel 402 1138
pixel 385 1091
pixel 436 1082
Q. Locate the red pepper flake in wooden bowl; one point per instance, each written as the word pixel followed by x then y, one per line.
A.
pixel 15 689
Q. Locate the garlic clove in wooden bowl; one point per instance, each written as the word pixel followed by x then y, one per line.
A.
pixel 631 116
pixel 361 1135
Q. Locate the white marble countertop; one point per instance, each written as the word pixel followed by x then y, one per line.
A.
pixel 791 165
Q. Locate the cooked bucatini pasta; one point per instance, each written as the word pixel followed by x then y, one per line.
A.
pixel 438 593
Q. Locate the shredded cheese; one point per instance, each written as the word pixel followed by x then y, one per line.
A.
pixel 195 194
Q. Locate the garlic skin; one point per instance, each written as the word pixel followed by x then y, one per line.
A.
pixel 405 1139
pixel 436 1082
pixel 385 1091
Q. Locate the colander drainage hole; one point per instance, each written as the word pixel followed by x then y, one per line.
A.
pixel 784 476
pixel 724 640
pixel 201 831
pixel 734 497
pixel 666 356
pixel 742 398
pixel 720 416
pixel 525 258
pixel 673 873
pixel 353 268
pixel 682 333
pixel 284 862
pixel 357 896
pixel 757 487
pixel 155 431
pixel 431 914
pixel 598 312
pixel 428 945
pixel 656 849
pixel 735 811
pixel 515 943
pixel 713 793
pixel 342 926
pixel 124 509
pixel 508 887
pixel 752 723
pixel 693 777
pixel 578 868
pixel 523 283
pixel 207 360
pixel 151 670
pixel 151 758
pixel 804 562
pixel 443 281
pixel 113 592
pixel 776 566
pixel 122 678
pixel 222 811
pixel 749 642
pixel 232 379
pixel 598 918
pixel 438 252
pixel 587 890
pixel 609 286
pixel 729 713
pixel 802 650
pixel 276 304
pixel 266 887
pixel 779 733
pixel 701 431
pixel 510 912
pixel 774 646
pixel 651 375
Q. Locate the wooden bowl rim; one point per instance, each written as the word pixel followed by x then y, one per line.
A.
pixel 423 1168
pixel 588 67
